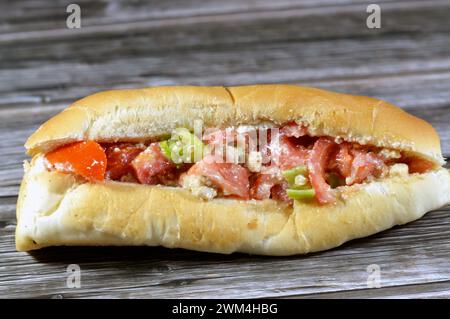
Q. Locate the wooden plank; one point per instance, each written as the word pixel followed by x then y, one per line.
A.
pixel 42 82
pixel 435 290
pixel 23 12
pixel 23 16
pixel 230 30
pixel 46 74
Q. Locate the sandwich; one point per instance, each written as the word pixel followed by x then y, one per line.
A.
pixel 264 169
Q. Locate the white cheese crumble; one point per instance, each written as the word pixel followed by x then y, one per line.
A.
pixel 254 161
pixel 300 180
pixel 198 186
pixel 387 153
pixel 398 169
pixel 338 139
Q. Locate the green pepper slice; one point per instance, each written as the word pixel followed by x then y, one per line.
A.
pixel 191 148
pixel 301 194
pixel 165 148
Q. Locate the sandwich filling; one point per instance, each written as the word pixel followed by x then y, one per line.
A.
pixel 284 163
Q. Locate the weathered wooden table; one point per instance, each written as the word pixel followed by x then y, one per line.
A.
pixel 44 66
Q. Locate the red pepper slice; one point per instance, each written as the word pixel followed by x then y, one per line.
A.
pixel 87 159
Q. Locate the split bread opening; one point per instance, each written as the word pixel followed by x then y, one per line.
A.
pixel 359 141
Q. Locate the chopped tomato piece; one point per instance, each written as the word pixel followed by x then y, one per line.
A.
pixel 317 163
pixel 343 159
pixel 419 165
pixel 262 185
pixel 151 165
pixel 269 185
pixel 86 159
pixel 278 192
pixel 119 158
pixel 232 179
pixel 364 165
pixel 291 154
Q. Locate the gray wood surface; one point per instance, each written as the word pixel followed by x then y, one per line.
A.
pixel 44 66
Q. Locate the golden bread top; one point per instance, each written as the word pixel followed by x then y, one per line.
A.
pixel 143 114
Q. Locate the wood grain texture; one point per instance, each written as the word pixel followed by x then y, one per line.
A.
pixel 45 66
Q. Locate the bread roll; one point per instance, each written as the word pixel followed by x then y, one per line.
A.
pixel 61 209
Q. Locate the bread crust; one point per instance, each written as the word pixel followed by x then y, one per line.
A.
pixel 143 114
pixel 58 209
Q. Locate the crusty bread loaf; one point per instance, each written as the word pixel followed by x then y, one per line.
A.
pixel 56 209
pixel 143 114
pixel 61 209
